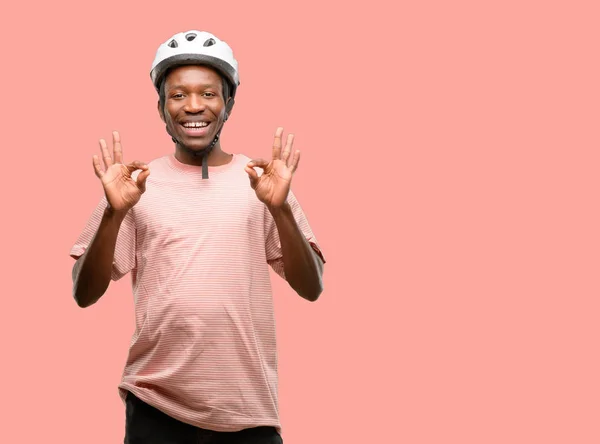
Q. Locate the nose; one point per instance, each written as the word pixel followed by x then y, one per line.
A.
pixel 194 104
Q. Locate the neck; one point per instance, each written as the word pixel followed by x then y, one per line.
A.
pixel 216 157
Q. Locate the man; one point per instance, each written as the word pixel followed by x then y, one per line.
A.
pixel 197 230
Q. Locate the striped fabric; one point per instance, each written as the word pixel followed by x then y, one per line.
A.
pixel 204 349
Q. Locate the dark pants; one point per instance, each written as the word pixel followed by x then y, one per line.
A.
pixel 145 424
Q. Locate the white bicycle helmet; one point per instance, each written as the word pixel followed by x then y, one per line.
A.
pixel 197 47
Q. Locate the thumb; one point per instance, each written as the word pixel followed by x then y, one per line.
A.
pixel 260 163
pixel 141 180
pixel 136 165
pixel 253 175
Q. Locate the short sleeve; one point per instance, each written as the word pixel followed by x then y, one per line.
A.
pixel 124 259
pixel 273 244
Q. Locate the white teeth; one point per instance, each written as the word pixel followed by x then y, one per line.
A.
pixel 195 124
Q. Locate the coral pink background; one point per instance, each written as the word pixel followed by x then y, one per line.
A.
pixel 450 170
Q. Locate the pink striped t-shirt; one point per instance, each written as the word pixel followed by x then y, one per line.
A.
pixel 204 349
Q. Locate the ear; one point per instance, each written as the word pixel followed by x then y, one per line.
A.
pixel 161 112
pixel 228 107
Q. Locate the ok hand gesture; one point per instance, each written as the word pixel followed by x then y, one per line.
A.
pixel 273 186
pixel 122 192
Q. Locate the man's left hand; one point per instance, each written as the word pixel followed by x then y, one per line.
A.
pixel 273 185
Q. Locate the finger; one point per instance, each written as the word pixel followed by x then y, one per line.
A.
pixel 295 161
pixel 253 175
pixel 288 148
pixel 277 143
pixel 260 163
pixel 97 167
pixel 117 149
pixel 136 165
pixel 105 154
pixel 141 180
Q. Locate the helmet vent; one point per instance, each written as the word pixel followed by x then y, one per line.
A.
pixel 209 42
pixel 191 36
pixel 173 43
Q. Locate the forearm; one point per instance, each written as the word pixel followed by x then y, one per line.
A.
pixel 92 271
pixel 303 268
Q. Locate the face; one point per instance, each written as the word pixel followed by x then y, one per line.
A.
pixel 194 106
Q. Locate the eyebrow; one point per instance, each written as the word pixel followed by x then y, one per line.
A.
pixel 205 85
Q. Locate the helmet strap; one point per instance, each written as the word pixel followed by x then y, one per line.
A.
pixel 204 153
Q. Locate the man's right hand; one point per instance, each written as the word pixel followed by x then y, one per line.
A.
pixel 121 191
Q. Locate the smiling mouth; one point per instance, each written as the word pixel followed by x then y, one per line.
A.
pixel 195 125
